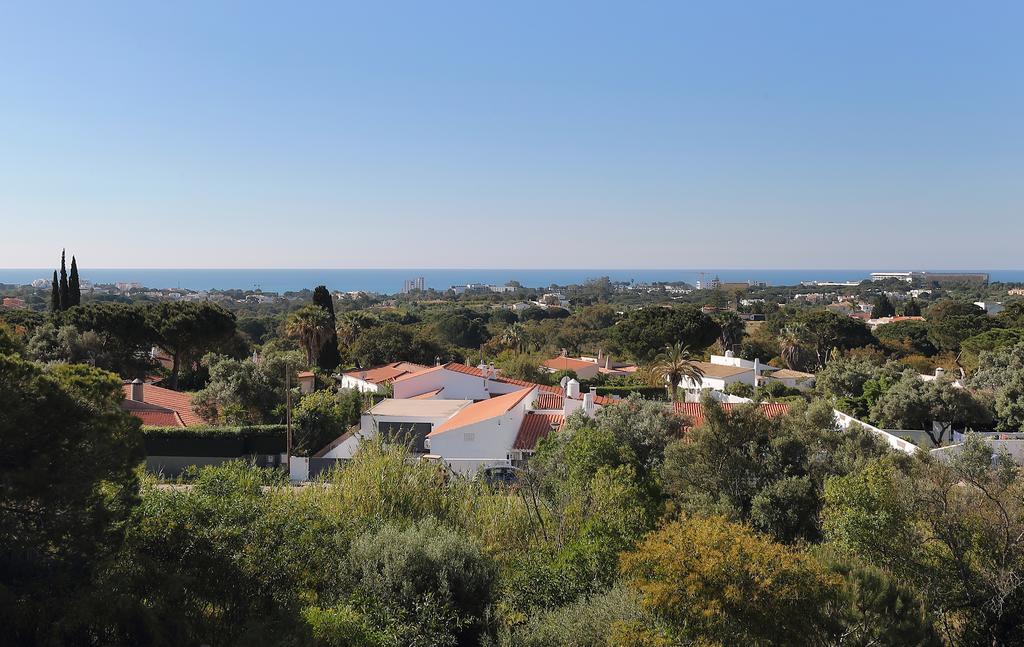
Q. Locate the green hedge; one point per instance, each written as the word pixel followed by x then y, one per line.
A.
pixel 212 431
pixel 214 441
pixel 645 392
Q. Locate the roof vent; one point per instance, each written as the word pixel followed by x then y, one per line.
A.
pixel 137 393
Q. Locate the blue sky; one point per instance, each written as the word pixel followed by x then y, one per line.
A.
pixel 475 134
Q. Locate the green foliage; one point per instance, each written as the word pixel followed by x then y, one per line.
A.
pixel 429 584
pixel 718 583
pixel 392 342
pixel 952 530
pixel 590 621
pixel 822 331
pixel 189 330
pixel 329 357
pixel 951 322
pixel 210 431
pixel 246 392
pixel 906 337
pixel 912 403
pixel 318 419
pixel 646 332
pixel 67 488
pixel 645 392
pixel 883 307
pixel 989 341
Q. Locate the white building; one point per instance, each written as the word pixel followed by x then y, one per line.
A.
pixel 718 377
pixel 990 307
pixel 371 380
pixel 402 421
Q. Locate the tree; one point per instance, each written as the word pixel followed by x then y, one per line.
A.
pixel 461 329
pixel 906 337
pixel 117 335
pixel 319 420
pixel 675 364
pixel 955 531
pixel 435 581
pixel 311 325
pixel 329 357
pixel 951 322
pixel 515 337
pixel 791 346
pixel 246 392
pixel 67 487
pixel 883 307
pixel 54 294
pixel 731 330
pixel 74 287
pixel 65 299
pixel 821 331
pixel 391 342
pixel 934 407
pixel 912 308
pixel 646 332
pixel 717 582
pixel 991 340
pixel 189 330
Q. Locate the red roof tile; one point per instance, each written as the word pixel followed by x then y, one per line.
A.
pixel 695 410
pixel 474 371
pixel 166 399
pixel 536 426
pixel 550 401
pixel 387 372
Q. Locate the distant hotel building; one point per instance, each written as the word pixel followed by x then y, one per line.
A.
pixel 937 277
pixel 418 283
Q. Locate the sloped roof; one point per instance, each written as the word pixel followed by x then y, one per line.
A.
pixel 387 372
pixel 787 373
pixel 721 370
pixel 536 426
pixel 483 410
pixel 695 410
pixel 180 403
pixel 152 415
pixel 563 363
pixel 476 372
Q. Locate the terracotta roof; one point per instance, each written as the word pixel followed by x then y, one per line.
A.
pixel 152 415
pixel 791 374
pixel 568 363
pixel 536 426
pixel 474 371
pixel 387 372
pixel 305 374
pixel 550 401
pixel 427 395
pixel 180 403
pixel 695 410
pixel 483 410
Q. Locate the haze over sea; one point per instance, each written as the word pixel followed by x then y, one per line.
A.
pixel 388 281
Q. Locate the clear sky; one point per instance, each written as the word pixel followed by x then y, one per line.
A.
pixel 513 134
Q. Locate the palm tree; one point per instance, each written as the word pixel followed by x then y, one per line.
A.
pixel 676 363
pixel 311 325
pixel 790 346
pixel 515 337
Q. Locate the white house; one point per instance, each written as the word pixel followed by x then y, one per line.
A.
pixel 718 376
pixel 402 421
pixel 792 379
pixel 990 307
pixel 370 380
pixel 482 433
pixel 460 382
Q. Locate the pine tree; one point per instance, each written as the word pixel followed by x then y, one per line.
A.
pixel 55 295
pixel 63 283
pixel 912 309
pixel 883 308
pixel 74 289
pixel 329 357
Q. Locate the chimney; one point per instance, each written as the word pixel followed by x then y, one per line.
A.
pixel 137 387
pixel 572 389
pixel 588 403
pixel 940 372
pixel 607 361
pixel 729 353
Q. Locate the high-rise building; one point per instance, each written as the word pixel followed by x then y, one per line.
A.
pixel 418 283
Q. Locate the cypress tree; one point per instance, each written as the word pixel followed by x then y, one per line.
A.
pixel 54 295
pixel 63 283
pixel 912 309
pixel 74 289
pixel 883 308
pixel 329 357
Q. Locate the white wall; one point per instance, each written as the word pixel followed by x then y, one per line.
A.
pixel 457 386
pixel 846 422
pixel 350 382
pixel 487 440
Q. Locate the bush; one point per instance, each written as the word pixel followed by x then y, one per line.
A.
pixel 429 581
pixel 217 431
pixel 646 392
pixel 588 622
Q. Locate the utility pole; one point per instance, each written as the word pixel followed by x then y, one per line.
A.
pixel 288 417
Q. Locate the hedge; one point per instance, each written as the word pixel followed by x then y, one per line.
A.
pixel 645 392
pixel 214 441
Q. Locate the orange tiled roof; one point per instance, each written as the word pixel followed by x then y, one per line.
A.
pixel 387 372
pixel 695 410
pixel 568 364
pixel 550 401
pixel 536 426
pixel 161 398
pixel 483 410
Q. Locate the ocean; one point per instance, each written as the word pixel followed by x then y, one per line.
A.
pixel 389 281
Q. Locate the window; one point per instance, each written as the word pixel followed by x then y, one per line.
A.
pixel 468 436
